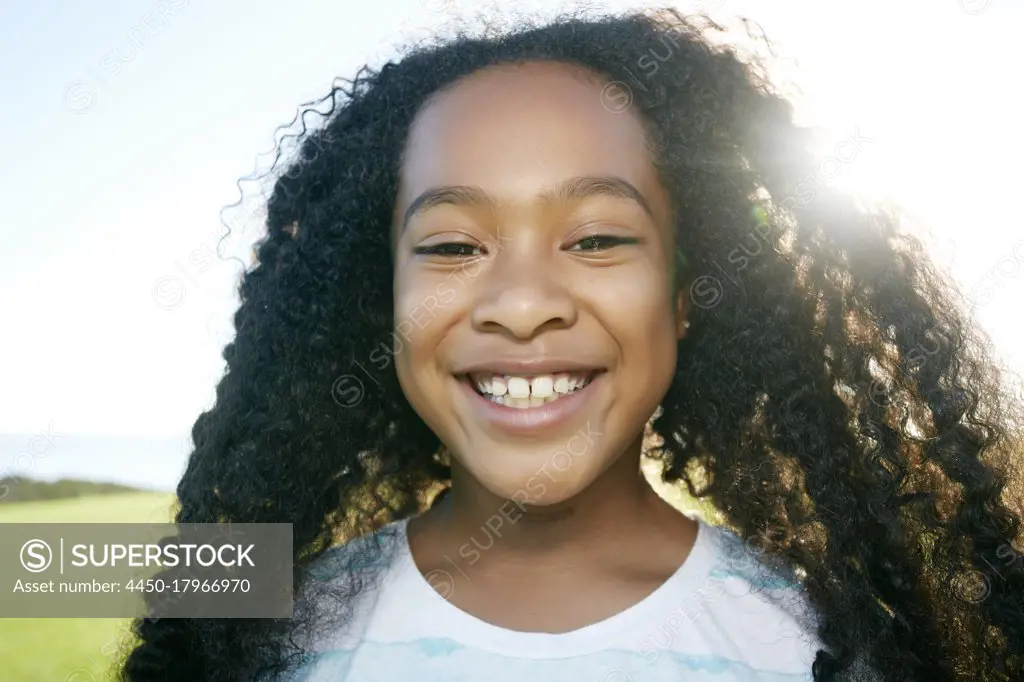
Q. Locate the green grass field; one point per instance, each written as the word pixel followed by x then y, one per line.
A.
pixel 72 649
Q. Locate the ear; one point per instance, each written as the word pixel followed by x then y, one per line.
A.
pixel 682 309
pixel 682 299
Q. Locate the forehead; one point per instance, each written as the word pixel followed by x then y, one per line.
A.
pixel 513 130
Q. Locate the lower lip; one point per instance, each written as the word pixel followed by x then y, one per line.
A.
pixel 522 420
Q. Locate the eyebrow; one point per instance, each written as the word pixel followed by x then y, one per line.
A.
pixel 573 189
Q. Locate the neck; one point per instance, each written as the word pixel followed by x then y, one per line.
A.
pixel 478 524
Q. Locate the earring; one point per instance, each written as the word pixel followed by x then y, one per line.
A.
pixel 686 324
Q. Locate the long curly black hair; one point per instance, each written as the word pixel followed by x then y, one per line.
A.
pixel 832 400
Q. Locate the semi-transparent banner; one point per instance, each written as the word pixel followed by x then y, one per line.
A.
pixel 161 570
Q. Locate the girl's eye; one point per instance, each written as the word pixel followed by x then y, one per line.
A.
pixel 600 242
pixel 448 250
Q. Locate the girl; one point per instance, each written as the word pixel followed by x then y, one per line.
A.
pixel 487 270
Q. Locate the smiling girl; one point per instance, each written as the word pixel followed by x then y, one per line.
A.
pixel 491 284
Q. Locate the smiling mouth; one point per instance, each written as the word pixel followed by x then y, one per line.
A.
pixel 526 391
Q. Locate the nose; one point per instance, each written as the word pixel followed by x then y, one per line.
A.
pixel 521 300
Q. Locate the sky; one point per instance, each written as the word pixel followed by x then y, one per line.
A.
pixel 126 125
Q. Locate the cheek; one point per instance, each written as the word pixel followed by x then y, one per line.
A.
pixel 425 305
pixel 640 315
pixel 638 303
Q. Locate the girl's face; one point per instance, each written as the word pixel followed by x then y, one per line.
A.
pixel 536 320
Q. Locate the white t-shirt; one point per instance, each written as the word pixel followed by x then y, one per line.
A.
pixel 722 617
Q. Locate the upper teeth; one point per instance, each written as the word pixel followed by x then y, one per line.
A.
pixel 541 386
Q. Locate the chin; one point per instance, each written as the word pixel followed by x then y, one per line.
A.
pixel 539 486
